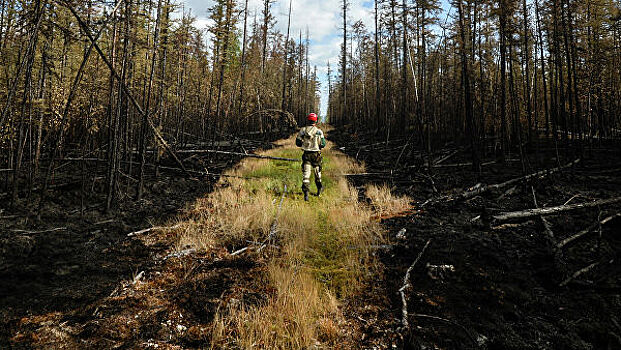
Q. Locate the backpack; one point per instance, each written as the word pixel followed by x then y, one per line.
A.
pixel 309 138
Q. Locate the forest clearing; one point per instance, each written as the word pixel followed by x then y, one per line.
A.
pixel 153 193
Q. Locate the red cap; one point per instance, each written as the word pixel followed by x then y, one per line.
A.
pixel 312 117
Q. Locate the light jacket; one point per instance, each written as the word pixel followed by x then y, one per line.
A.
pixel 311 139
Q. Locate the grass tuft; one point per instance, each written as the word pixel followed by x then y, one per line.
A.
pixel 385 202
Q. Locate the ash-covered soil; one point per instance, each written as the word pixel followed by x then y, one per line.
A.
pixel 494 285
pixel 61 260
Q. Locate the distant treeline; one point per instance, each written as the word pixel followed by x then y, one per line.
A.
pixel 506 70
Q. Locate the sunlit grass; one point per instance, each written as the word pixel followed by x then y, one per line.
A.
pixel 384 201
pixel 324 246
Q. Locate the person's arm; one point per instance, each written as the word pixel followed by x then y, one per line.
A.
pixel 298 139
pixel 322 142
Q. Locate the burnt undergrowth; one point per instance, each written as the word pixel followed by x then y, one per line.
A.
pixel 62 253
pixel 486 285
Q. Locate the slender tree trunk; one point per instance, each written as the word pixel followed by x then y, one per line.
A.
pixel 546 108
pixel 470 131
pixel 285 62
pixel 145 117
pixel 344 62
pixel 526 58
pixel 243 61
pixel 503 95
pixel 377 67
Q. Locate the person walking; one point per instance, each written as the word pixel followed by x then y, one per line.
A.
pixel 312 141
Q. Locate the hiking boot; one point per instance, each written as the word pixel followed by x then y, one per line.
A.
pixel 319 189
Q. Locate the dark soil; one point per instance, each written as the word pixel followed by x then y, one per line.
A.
pixel 59 260
pixel 501 288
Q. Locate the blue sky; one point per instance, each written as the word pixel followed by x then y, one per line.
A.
pixel 322 17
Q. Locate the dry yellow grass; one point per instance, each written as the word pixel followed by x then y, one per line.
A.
pixel 292 319
pixel 323 256
pixel 385 202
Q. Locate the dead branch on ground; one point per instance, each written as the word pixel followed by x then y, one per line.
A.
pixel 479 189
pixel 552 210
pixel 27 232
pixel 448 321
pixel 579 273
pixel 274 227
pixel 407 285
pixel 484 189
pixel 270 236
pixel 236 154
pixel 546 223
pixel 586 231
pixel 152 228
pixel 441 160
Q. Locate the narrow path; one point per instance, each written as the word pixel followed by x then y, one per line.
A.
pixel 253 266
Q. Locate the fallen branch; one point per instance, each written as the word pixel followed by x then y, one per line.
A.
pixel 180 254
pixel 270 236
pixel 459 165
pixel 252 155
pixel 366 174
pixel 545 222
pixel 479 189
pixel 204 173
pixel 552 210
pixel 441 160
pixel 239 251
pixel 484 189
pixel 138 277
pixel 586 231
pixel 152 228
pixel 578 273
pixel 469 164
pixel 451 322
pixel 42 231
pixel 274 227
pixel 401 153
pixel 407 285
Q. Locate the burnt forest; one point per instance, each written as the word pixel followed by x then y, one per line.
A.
pixel 464 161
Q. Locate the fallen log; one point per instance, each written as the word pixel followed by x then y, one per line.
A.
pixel 407 285
pixel 479 189
pixel 484 189
pixel 552 210
pixel 586 231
